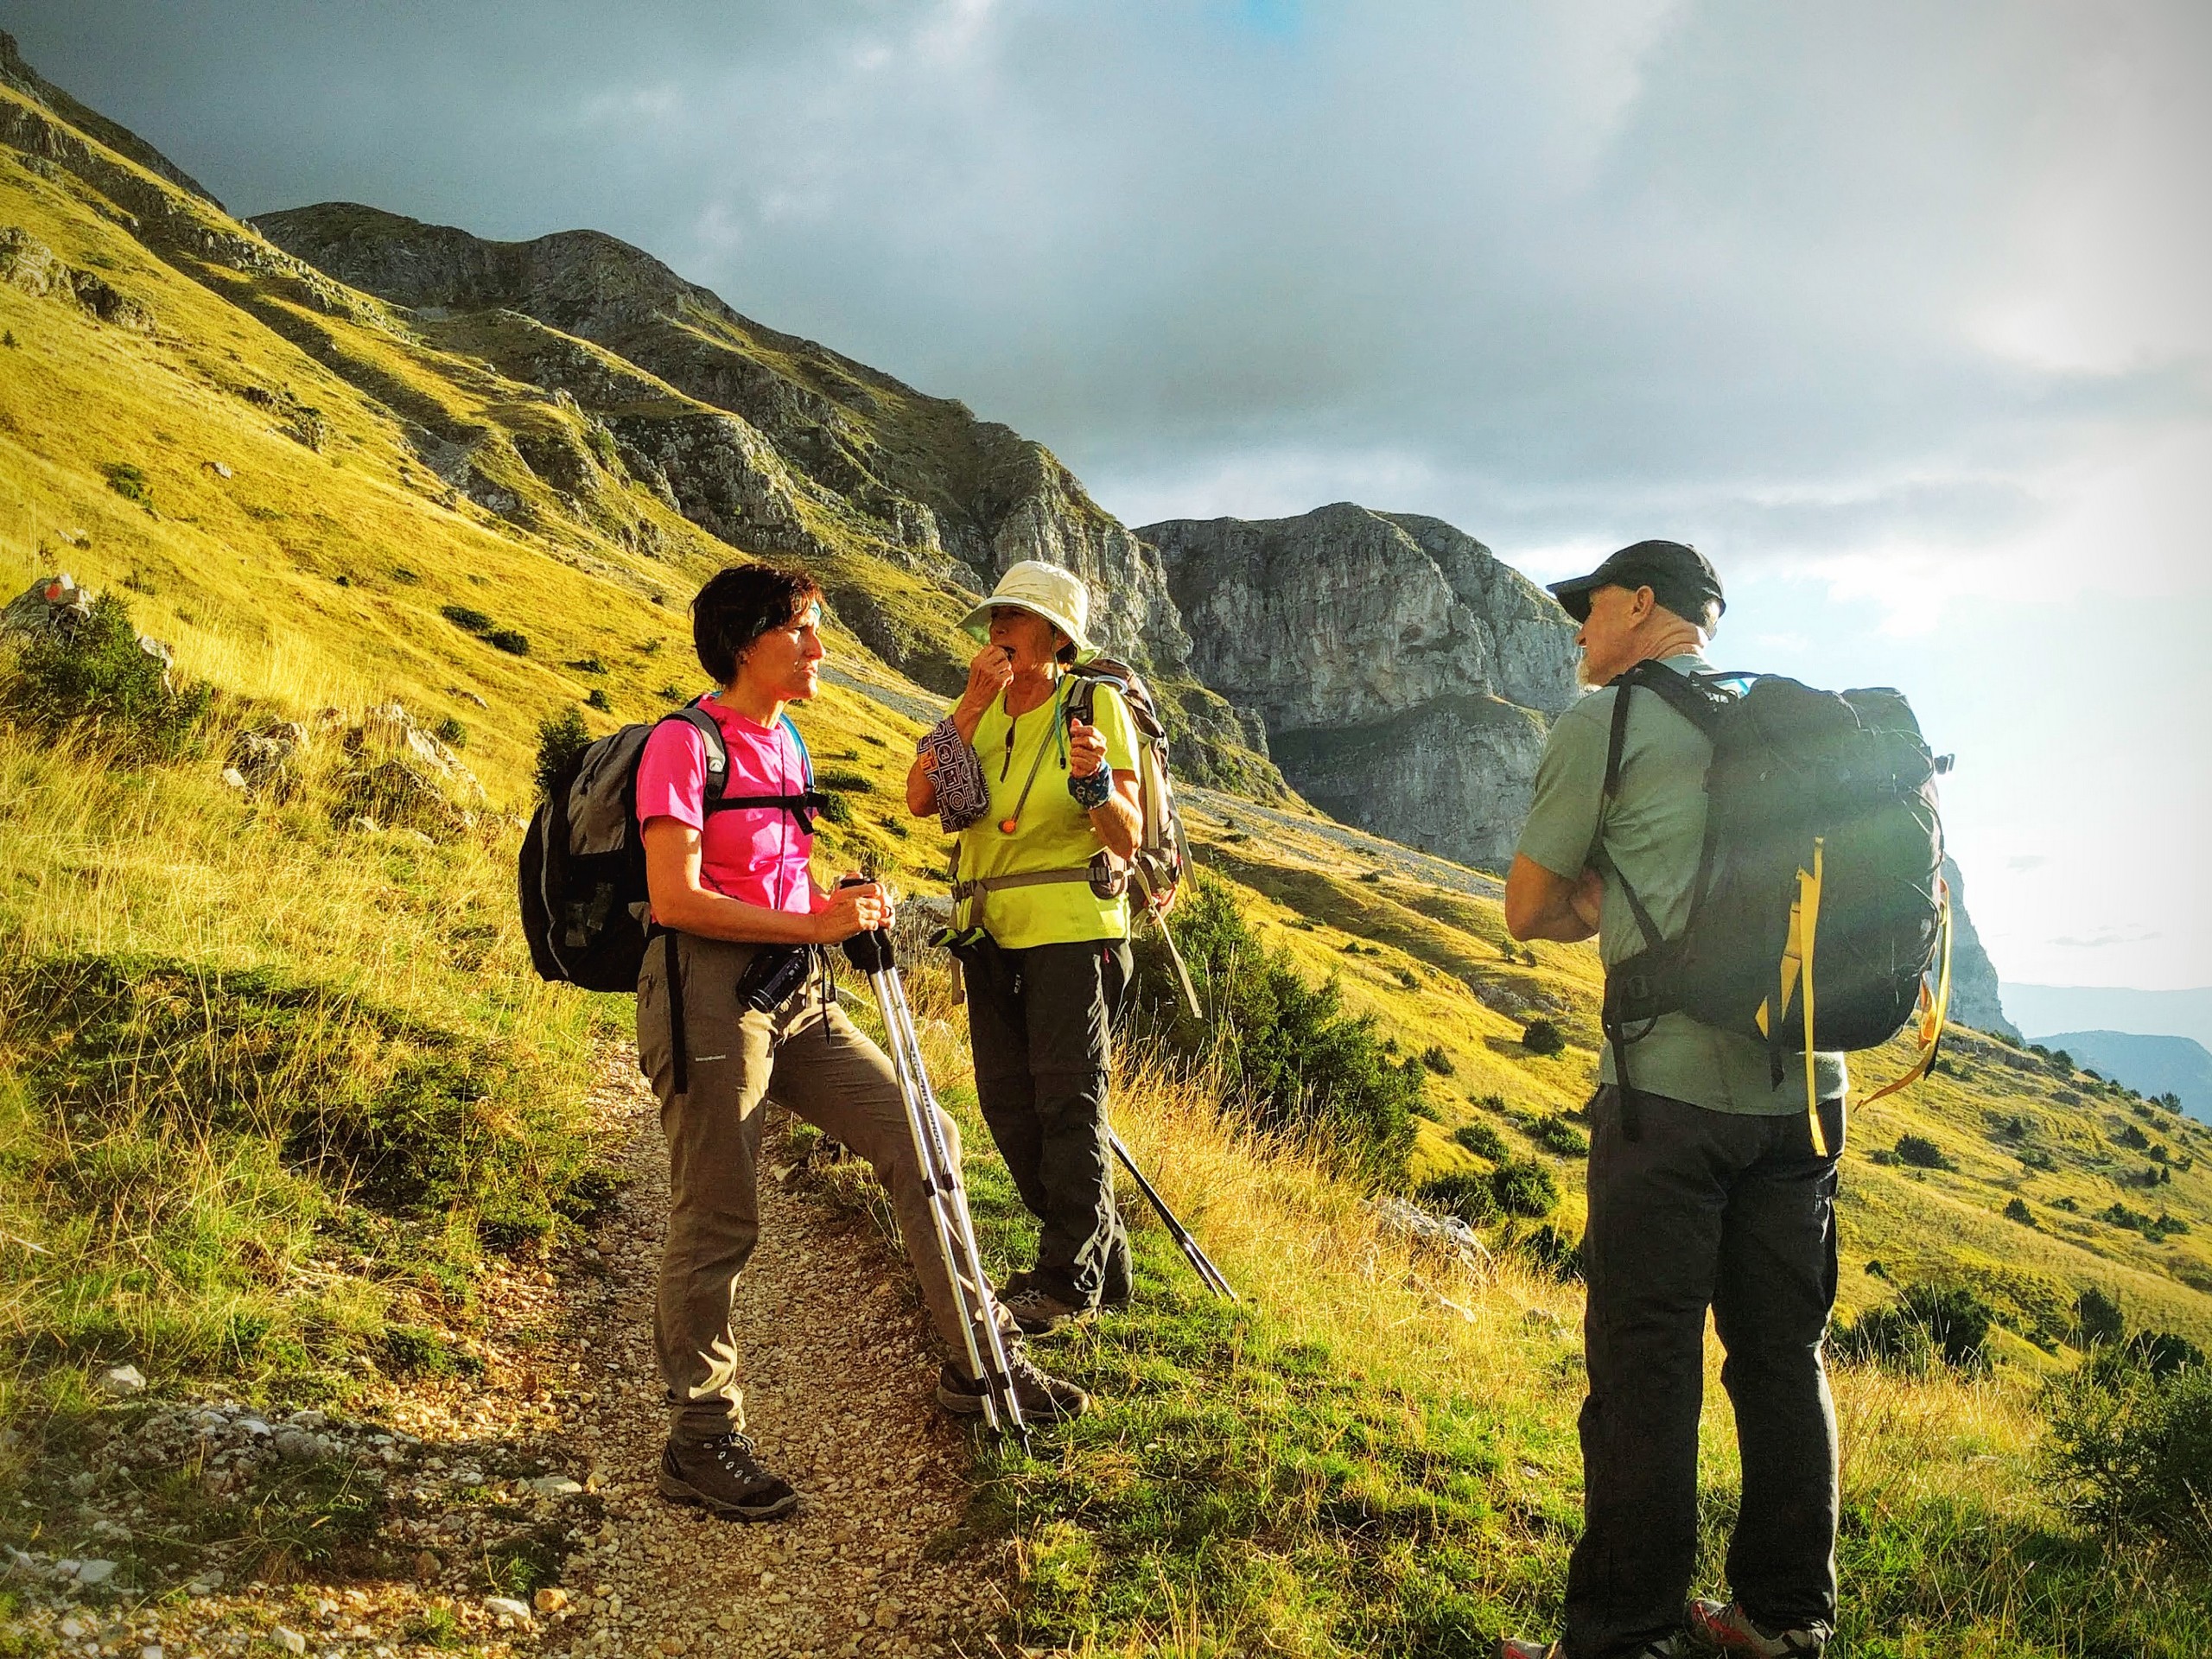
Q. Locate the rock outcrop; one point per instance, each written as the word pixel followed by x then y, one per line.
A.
pixel 1975 1000
pixel 811 453
pixel 1406 676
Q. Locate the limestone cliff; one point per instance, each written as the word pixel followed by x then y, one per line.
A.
pixel 1406 675
pixel 1974 998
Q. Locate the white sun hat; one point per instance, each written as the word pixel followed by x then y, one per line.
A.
pixel 1042 589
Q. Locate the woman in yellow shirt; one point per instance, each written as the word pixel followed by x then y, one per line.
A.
pixel 1043 921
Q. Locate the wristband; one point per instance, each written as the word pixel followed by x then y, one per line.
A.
pixel 1092 792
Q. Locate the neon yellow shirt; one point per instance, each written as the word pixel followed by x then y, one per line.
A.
pixel 1051 832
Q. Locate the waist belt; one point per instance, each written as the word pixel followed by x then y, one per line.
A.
pixel 962 890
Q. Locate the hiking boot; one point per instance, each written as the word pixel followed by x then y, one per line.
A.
pixel 1669 1647
pixel 722 1475
pixel 1722 1627
pixel 1036 1310
pixel 1043 1398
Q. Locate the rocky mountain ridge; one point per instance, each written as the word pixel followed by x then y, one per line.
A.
pixel 1407 676
pixel 807 433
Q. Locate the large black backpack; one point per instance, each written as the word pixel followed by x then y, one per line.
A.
pixel 1819 909
pixel 581 874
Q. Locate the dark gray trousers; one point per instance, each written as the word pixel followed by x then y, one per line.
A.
pixel 1039 1022
pixel 1737 1213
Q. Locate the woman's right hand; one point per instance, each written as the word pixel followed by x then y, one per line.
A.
pixel 850 911
pixel 987 677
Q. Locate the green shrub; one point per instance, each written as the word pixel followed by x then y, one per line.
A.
pixel 2017 1210
pixel 599 700
pixel 1297 1059
pixel 1460 1192
pixel 1436 1060
pixel 1481 1139
pixel 507 640
pixel 847 783
pixel 1921 1152
pixel 835 808
pixel 130 482
pixel 1523 1187
pixel 98 681
pixel 561 737
pixel 2098 1318
pixel 1928 1325
pixel 2130 1449
pixel 1551 1249
pixel 451 732
pixel 588 665
pixel 1542 1037
pixel 462 617
pixel 1557 1136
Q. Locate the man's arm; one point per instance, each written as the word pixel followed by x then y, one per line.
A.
pixel 1541 903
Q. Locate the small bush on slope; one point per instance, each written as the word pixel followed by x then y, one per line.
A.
pixel 1929 1325
pixel 99 681
pixel 2131 1445
pixel 1295 1059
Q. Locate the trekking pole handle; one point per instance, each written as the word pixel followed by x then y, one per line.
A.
pixel 868 951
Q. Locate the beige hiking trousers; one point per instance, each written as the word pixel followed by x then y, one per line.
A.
pixel 819 1066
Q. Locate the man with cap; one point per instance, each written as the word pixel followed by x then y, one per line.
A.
pixel 1705 1188
pixel 1047 811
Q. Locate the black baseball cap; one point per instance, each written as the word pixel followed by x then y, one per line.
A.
pixel 1678 575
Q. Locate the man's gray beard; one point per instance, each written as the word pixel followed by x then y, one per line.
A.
pixel 1582 673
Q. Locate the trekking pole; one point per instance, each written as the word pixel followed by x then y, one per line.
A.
pixel 1198 1258
pixel 955 1230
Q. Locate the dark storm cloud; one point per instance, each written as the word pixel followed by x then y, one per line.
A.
pixel 1787 271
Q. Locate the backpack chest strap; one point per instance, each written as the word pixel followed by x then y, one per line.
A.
pixel 804 808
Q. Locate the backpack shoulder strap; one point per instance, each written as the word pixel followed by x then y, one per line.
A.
pixel 1696 698
pixel 711 737
pixel 806 758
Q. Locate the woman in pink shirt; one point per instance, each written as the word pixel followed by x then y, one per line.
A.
pixel 733 896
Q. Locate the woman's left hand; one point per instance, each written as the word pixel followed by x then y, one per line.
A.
pixel 1086 748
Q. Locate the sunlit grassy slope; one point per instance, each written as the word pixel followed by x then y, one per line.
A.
pixel 1377 1455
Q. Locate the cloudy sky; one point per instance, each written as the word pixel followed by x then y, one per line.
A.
pixel 1899 311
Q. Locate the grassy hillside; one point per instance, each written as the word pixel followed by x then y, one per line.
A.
pixel 274 1079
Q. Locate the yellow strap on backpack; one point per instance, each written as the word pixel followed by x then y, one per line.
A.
pixel 1798 975
pixel 1935 1009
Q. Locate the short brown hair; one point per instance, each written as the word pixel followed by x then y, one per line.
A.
pixel 740 604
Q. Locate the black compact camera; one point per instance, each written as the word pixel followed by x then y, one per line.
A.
pixel 775 972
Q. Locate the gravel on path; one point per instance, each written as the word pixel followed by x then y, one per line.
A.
pixel 843 1371
pixel 558 1439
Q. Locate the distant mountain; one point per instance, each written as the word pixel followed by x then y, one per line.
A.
pixel 2042 1008
pixel 2150 1065
pixel 1406 674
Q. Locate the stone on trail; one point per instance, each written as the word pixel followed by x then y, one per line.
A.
pixel 508 1606
pixel 290 1640
pixel 95 1572
pixel 124 1380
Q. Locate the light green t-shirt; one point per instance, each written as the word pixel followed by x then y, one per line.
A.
pixel 1051 833
pixel 1651 834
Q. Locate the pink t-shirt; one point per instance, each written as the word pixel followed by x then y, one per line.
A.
pixel 754 854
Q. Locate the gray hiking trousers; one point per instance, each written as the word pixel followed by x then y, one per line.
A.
pixel 1737 1213
pixel 1039 1021
pixel 815 1064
